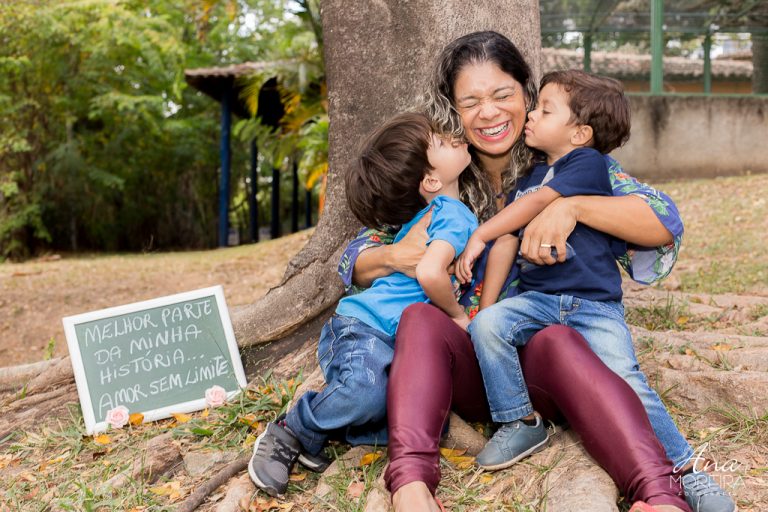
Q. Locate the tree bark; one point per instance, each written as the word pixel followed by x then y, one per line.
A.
pixel 759 63
pixel 378 56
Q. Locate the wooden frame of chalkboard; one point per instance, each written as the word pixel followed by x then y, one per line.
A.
pixel 155 357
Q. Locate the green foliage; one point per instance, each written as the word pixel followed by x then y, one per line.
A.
pixel 103 145
pixel 302 137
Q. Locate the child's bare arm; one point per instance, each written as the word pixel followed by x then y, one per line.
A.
pixel 513 217
pixel 516 215
pixel 432 274
pixel 500 261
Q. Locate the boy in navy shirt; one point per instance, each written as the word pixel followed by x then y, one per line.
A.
pixel 405 171
pixel 579 117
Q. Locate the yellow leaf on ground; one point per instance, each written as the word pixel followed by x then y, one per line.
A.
pixel 355 489
pixel 689 352
pixel 297 477
pixel 167 489
pixel 370 458
pixel 181 417
pixel 682 320
pixel 461 462
pixel 249 440
pixel 136 418
pixel 205 413
pixel 486 478
pixel 102 439
pixel 250 420
pixel 721 347
pixel 450 452
pixel 456 457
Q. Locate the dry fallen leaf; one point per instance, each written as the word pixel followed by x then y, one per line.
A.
pixel 721 347
pixel 170 489
pixel 102 439
pixel 370 458
pixel 263 505
pixel 250 420
pixel 682 320
pixel 297 477
pixel 450 452
pixel 205 413
pixel 181 417
pixel 456 458
pixel 355 489
pixel 136 418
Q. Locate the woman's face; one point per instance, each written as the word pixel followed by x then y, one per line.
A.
pixel 492 107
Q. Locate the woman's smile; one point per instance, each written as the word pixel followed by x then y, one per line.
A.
pixel 494 133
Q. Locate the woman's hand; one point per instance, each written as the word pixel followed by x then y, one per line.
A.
pixel 549 229
pixel 407 253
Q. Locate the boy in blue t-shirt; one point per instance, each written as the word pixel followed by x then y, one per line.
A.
pixel 404 171
pixel 578 118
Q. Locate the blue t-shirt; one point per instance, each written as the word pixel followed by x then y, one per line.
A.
pixel 590 271
pixel 381 305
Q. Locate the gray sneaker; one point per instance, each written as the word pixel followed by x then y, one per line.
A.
pixel 512 442
pixel 703 494
pixel 274 454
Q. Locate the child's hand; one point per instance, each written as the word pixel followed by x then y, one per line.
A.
pixel 462 321
pixel 472 251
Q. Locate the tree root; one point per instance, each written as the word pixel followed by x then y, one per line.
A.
pixel 195 499
pixel 14 377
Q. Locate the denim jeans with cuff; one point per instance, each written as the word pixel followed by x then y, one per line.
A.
pixel 498 330
pixel 355 360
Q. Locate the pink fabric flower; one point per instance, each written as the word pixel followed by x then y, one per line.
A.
pixel 117 417
pixel 215 396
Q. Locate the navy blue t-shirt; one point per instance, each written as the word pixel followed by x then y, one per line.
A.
pixel 590 272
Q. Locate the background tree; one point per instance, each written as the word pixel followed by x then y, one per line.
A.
pixel 377 58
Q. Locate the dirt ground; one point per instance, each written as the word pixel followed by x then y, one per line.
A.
pixel 701 336
pixel 37 294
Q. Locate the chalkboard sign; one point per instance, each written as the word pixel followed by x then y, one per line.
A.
pixel 155 357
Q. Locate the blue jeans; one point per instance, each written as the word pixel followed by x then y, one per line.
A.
pixel 355 360
pixel 498 330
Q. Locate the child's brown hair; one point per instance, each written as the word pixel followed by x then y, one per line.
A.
pixel 597 101
pixel 383 187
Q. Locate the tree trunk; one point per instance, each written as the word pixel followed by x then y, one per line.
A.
pixel 759 63
pixel 378 56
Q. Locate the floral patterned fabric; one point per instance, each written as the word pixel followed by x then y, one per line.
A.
pixel 643 264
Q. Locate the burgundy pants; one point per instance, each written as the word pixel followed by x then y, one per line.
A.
pixel 435 371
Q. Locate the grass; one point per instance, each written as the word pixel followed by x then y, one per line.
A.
pixel 55 467
pixel 59 467
pixel 672 314
pixel 719 252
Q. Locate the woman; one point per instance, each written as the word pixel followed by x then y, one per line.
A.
pixel 482 90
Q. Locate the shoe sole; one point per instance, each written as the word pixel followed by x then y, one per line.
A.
pixel 317 468
pixel 511 462
pixel 256 480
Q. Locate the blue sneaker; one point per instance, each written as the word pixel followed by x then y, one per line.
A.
pixel 512 442
pixel 703 494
